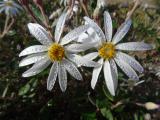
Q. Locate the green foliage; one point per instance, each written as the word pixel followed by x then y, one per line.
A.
pixel 89 116
pixel 28 87
pixel 106 113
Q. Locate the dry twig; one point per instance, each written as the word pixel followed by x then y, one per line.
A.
pixel 130 13
pixel 7 26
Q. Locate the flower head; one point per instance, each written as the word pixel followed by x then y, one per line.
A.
pixel 59 53
pixel 109 51
pixel 9 7
pixel 56 52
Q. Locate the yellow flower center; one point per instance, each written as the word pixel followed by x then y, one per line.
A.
pixel 9 3
pixel 56 52
pixel 107 50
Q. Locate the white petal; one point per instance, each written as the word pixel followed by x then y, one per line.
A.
pixel 39 33
pixel 85 35
pixel 82 37
pixel 32 59
pixel 122 31
pixel 52 76
pixel 131 61
pixel 91 56
pixel 110 78
pixel 74 34
pixel 37 68
pixel 108 26
pixel 96 28
pixel 90 36
pixel 134 46
pixel 139 82
pixel 60 26
pixel 92 39
pixel 62 78
pixel 33 49
pixel 90 31
pixel 80 61
pixel 72 69
pixel 95 74
pixel 114 66
pixel 127 69
pixel 74 48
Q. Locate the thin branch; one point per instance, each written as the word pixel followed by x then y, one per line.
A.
pixel 44 17
pixel 31 14
pixel 6 23
pixel 6 26
pixel 5 91
pixel 46 21
pixel 130 13
pixel 10 25
pixel 91 101
pixel 117 104
pixel 84 6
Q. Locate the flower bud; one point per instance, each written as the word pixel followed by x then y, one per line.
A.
pixel 96 13
pixel 55 14
pixel 101 3
pixel 151 106
pixel 75 7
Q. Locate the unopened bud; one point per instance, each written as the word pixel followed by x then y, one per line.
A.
pixel 76 7
pixel 101 3
pixel 151 106
pixel 96 13
pixel 55 14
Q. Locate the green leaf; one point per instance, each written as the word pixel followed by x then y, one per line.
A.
pixel 135 24
pixel 28 87
pixel 106 113
pixel 107 94
pixel 135 117
pixel 37 13
pixel 11 33
pixel 89 116
pixel 23 90
pixel 158 40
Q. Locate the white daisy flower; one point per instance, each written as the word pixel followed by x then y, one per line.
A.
pixel 9 7
pixel 58 53
pixel 109 50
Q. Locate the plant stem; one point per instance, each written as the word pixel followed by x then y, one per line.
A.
pixel 5 91
pixel 10 25
pixel 84 6
pixel 44 17
pixel 31 13
pixel 130 13
pixel 5 27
